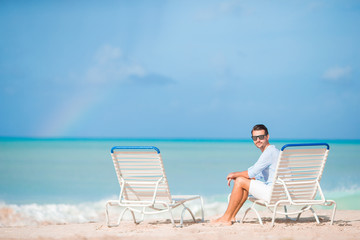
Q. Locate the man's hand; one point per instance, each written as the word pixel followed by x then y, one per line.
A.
pixel 235 175
pixel 229 181
pixel 230 177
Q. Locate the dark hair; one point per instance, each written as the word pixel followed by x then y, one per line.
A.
pixel 260 127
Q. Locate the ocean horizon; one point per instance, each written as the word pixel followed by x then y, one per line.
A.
pixel 191 139
pixel 70 179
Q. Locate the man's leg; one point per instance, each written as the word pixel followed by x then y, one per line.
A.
pixel 238 197
pixel 243 200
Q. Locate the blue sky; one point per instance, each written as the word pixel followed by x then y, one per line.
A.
pixel 179 69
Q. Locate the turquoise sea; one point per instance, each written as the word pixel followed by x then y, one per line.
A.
pixel 69 180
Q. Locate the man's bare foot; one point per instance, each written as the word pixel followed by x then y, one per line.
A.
pixel 221 221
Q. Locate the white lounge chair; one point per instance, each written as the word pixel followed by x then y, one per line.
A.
pixel 297 181
pixel 144 186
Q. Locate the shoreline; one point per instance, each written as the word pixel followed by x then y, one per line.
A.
pixel 346 226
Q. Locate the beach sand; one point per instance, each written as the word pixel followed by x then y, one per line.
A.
pixel 346 226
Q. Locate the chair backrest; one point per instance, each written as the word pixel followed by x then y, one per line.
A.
pixel 300 166
pixel 137 168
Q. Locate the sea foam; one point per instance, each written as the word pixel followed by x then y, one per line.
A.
pixel 37 214
pixel 41 214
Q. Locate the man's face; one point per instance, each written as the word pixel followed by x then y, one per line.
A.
pixel 258 142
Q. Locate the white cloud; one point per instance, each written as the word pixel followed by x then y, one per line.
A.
pixel 107 53
pixel 337 73
pixel 110 66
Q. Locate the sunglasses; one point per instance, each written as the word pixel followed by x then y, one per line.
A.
pixel 261 137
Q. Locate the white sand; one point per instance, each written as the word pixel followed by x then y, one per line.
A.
pixel 346 226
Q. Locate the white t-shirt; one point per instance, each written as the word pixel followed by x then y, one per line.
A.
pixel 265 165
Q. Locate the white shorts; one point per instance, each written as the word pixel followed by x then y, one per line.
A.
pixel 260 190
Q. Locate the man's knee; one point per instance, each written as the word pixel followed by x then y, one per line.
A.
pixel 241 181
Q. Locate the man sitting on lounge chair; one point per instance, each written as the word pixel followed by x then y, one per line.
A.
pixel 249 181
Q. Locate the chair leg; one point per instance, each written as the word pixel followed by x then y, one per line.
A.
pixel 142 217
pixel 315 215
pixel 183 212
pixel 107 214
pixel 298 217
pixel 287 216
pixel 108 217
pixel 256 212
pixel 133 215
pixel 172 218
pixel 333 215
pixel 122 214
pixel 243 218
pixel 333 212
pixel 274 215
pixel 258 215
pixel 202 208
pixel 285 210
pixel 303 209
pixel 191 213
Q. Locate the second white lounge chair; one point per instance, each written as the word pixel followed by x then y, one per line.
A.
pixel 297 181
pixel 144 186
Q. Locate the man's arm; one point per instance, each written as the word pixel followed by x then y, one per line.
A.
pixel 235 175
pixel 264 161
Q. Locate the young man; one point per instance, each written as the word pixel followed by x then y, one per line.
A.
pixel 247 182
